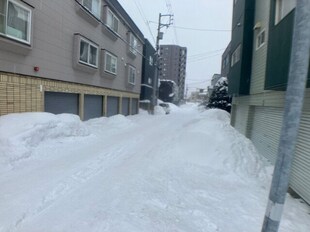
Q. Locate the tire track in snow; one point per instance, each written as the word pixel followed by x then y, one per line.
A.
pixel 69 185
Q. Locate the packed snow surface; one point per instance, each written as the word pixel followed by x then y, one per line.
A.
pixel 187 171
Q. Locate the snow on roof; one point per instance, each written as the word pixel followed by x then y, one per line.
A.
pixel 166 80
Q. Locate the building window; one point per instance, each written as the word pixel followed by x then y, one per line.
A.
pixel 260 39
pixel 226 61
pixel 283 7
pixel 93 6
pixel 235 57
pixel 151 61
pixel 131 75
pixel 133 44
pixel 88 53
pixel 112 21
pixel 110 63
pixel 15 20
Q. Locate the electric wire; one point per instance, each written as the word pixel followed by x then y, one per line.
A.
pixel 140 10
pixel 203 58
pixel 197 29
pixel 170 10
pixel 205 53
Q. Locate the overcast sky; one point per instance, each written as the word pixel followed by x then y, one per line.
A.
pixel 203 26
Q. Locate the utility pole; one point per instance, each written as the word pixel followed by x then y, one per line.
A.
pixel 299 66
pixel 157 55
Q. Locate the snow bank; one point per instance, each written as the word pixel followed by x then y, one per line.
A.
pixel 19 133
pixel 190 171
pixel 226 145
pixel 173 108
pixel 108 125
pixel 158 110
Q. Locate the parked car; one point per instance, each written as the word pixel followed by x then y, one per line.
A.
pixel 165 106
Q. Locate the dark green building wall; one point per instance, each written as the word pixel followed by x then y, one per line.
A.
pixel 242 34
pixel 279 51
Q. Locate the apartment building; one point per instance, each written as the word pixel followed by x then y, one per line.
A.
pixel 149 83
pixel 172 66
pixel 225 67
pixel 261 47
pixel 77 56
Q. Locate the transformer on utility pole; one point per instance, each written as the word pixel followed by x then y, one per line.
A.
pixel 157 56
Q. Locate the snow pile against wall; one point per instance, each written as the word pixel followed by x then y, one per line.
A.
pixel 235 152
pixel 20 133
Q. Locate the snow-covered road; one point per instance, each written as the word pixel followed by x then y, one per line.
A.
pixel 187 171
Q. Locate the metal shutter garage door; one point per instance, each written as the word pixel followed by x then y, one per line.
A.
pixel 112 106
pixel 125 106
pixel 300 176
pixel 57 103
pixel 241 118
pixel 93 106
pixel 266 128
pixel 134 106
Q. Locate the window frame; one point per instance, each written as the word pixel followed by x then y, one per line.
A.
pixel 130 67
pixel 132 47
pixel 258 39
pixel 280 14
pixel 113 19
pixel 235 59
pixel 29 29
pixel 106 53
pixel 89 53
pixel 151 61
pixel 91 11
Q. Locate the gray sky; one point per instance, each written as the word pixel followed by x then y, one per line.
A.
pixel 204 47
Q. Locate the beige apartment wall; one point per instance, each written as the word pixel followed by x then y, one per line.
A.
pixel 26 93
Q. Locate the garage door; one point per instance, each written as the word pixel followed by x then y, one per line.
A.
pixel 57 103
pixel 241 118
pixel 112 106
pixel 93 106
pixel 134 106
pixel 300 176
pixel 266 128
pixel 125 106
pixel 267 123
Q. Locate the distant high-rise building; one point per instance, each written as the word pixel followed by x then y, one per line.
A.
pixel 172 66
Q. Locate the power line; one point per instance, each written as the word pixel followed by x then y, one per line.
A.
pixel 197 29
pixel 204 53
pixel 198 82
pixel 140 9
pixel 203 58
pixel 170 10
